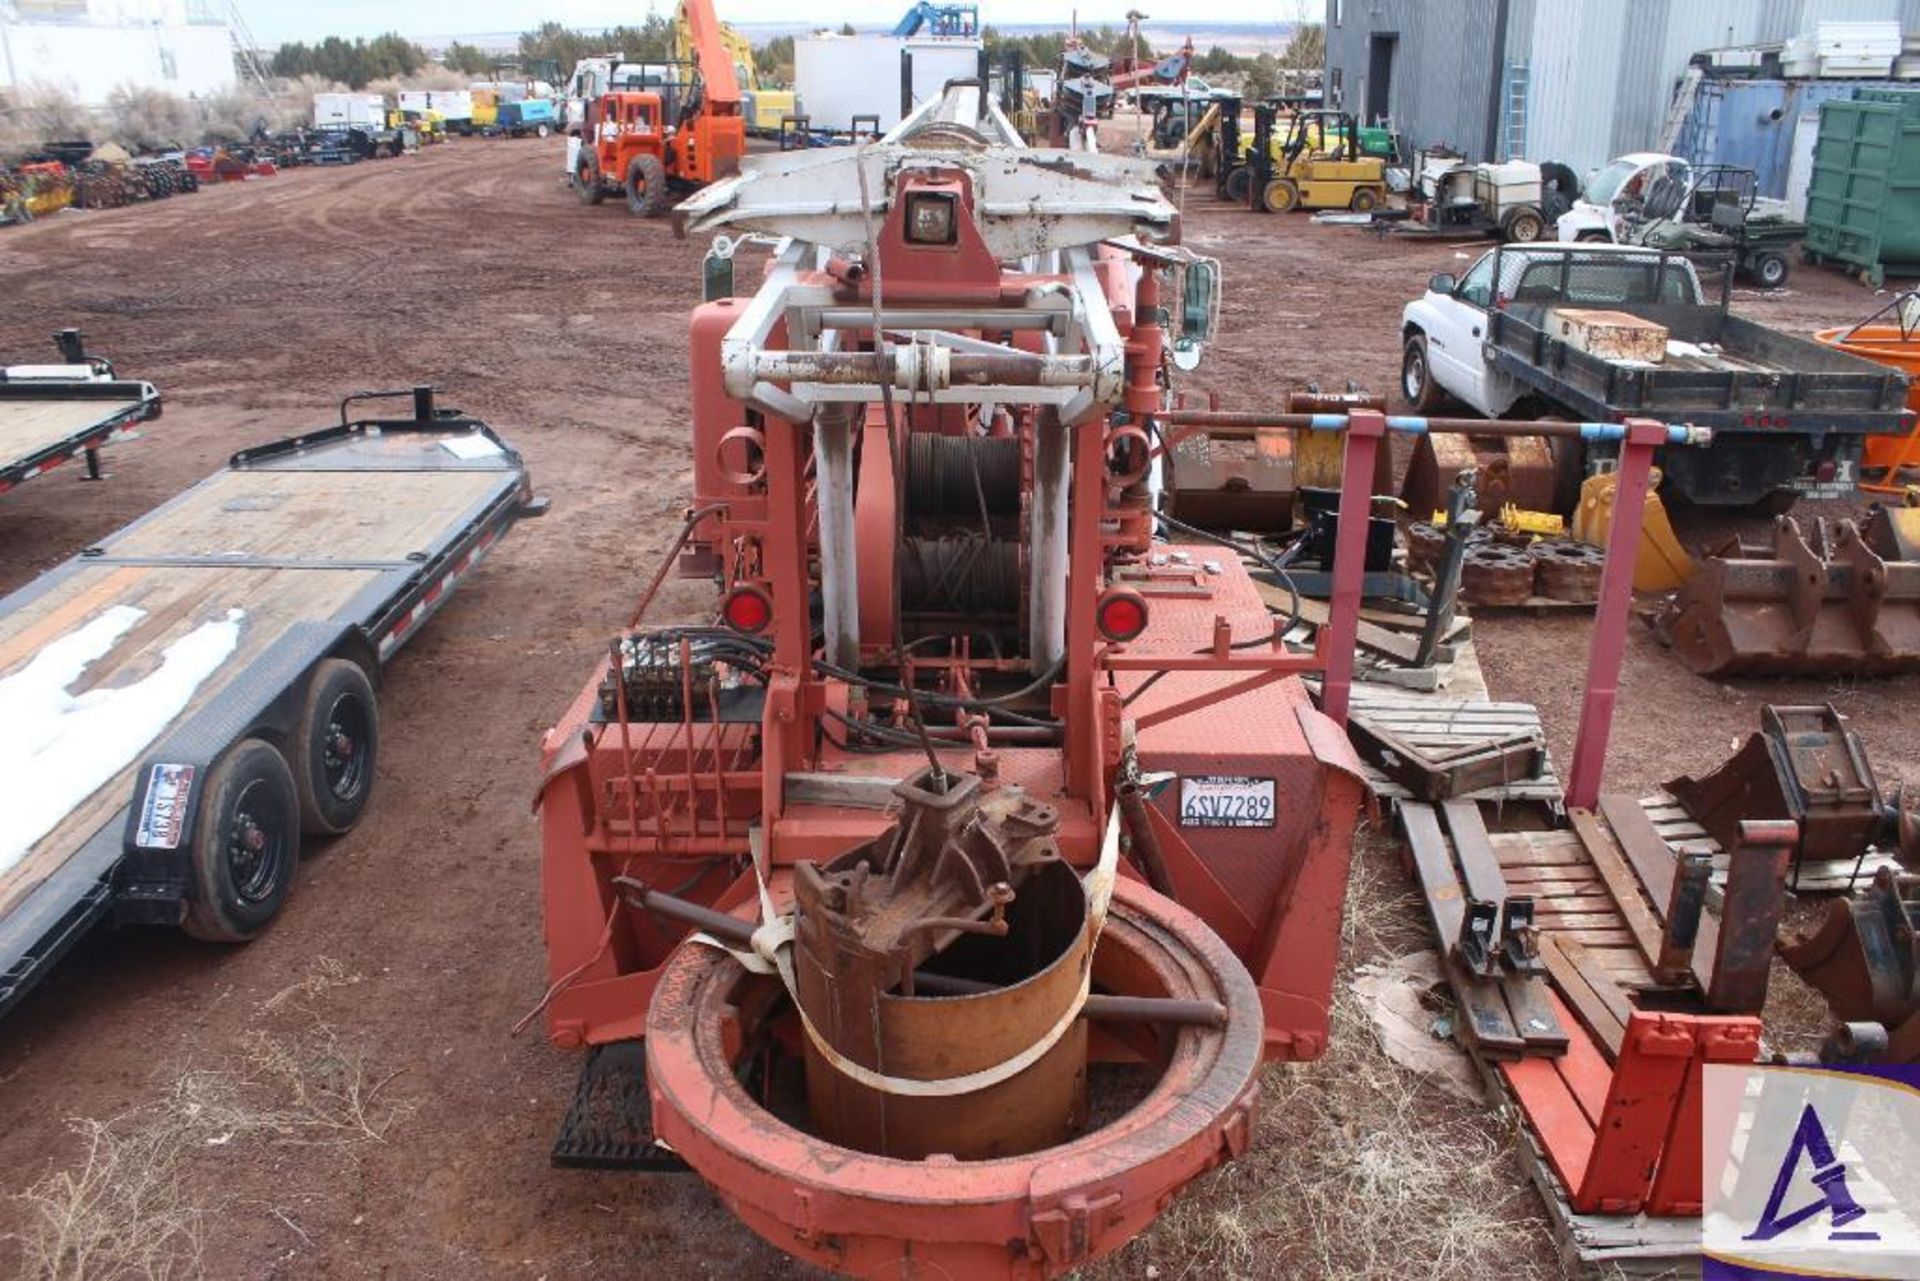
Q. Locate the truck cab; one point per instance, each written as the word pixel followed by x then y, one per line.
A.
pixel 1615 196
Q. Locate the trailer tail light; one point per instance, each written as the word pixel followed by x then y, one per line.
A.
pixel 1121 613
pixel 747 609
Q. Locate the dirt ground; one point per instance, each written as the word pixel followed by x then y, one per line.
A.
pixel 412 946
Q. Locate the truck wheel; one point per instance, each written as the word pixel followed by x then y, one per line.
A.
pixel 646 186
pixel 1281 196
pixel 336 749
pixel 1769 270
pixel 1364 200
pixel 1522 227
pixel 246 844
pixel 1239 183
pixel 1416 377
pixel 586 182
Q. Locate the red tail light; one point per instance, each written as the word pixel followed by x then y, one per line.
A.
pixel 1121 613
pixel 747 609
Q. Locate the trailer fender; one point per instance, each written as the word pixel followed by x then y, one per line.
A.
pixel 155 876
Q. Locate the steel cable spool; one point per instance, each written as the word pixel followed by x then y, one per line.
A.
pixel 941 471
pixel 1497 574
pixel 960 574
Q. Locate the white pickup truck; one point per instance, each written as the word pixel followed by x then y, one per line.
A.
pixel 1789 416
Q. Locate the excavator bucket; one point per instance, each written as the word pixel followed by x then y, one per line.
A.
pixel 1865 959
pixel 1527 471
pixel 1662 564
pixel 1821 605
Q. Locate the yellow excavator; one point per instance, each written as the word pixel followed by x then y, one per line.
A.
pixel 763 107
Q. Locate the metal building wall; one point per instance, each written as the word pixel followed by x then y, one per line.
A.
pixel 1601 73
pixel 1441 87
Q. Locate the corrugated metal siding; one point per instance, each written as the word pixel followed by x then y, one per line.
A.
pixel 1574 80
pixel 1604 71
pixel 1600 73
pixel 1440 90
pixel 1750 123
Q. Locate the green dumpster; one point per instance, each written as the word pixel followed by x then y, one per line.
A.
pixel 1863 201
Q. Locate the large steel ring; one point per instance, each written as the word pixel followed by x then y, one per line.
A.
pixel 1031 1216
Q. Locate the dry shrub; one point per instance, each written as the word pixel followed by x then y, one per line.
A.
pixel 233 116
pixel 141 119
pixel 131 1206
pixel 430 76
pixel 40 113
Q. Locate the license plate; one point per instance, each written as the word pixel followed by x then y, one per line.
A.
pixel 163 816
pixel 1226 800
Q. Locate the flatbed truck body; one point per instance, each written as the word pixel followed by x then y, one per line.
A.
pixel 136 671
pixel 1790 416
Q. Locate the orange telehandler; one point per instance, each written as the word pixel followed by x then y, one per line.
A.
pixel 665 126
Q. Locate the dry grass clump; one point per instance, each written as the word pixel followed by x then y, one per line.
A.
pixel 134 1204
pixel 1358 1169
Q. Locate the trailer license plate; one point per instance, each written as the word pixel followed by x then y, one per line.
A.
pixel 163 815
pixel 1226 800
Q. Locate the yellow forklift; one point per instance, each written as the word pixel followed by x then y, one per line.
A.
pixel 1323 162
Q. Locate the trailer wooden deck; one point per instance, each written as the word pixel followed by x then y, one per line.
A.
pixel 298 545
pixel 42 424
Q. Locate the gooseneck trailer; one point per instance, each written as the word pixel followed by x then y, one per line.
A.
pixel 191 696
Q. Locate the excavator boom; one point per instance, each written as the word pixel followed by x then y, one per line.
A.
pixel 700 38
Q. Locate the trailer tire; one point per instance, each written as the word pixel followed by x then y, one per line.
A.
pixel 646 186
pixel 246 844
pixel 1770 270
pixel 1417 387
pixel 337 748
pixel 1522 226
pixel 541 131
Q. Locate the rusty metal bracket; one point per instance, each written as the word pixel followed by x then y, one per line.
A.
pixel 1806 765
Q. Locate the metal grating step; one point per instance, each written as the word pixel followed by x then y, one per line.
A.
pixel 610 1123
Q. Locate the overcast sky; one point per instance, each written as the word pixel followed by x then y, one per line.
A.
pixel 273 21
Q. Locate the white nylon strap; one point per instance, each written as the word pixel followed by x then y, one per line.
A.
pixel 773 953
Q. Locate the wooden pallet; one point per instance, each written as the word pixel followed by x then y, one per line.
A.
pixel 1829 876
pixel 1452 725
pixel 1589 946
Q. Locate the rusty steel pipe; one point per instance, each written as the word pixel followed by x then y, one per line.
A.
pixel 1170 1011
pixel 1142 843
pixel 1230 424
pixel 922 368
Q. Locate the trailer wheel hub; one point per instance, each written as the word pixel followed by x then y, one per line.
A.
pixel 1165 1105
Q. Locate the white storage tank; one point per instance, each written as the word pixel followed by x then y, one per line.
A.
pixel 840 77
